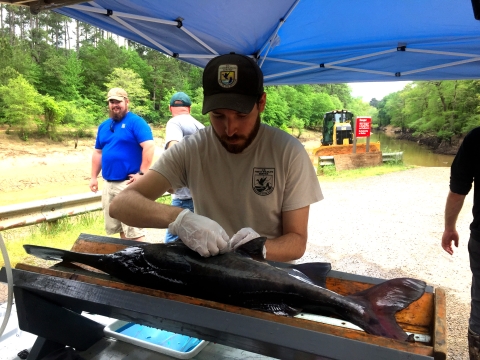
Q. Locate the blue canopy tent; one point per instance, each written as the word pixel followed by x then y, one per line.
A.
pixel 302 41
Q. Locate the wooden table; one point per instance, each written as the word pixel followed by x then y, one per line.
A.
pixel 50 300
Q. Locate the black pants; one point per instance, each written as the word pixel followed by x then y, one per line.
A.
pixel 474 253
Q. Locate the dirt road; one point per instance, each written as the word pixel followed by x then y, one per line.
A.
pixel 385 226
pixel 40 170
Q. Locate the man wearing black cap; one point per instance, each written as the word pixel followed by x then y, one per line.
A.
pixel 247 179
pixel 180 125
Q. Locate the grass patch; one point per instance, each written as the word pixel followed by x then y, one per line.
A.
pixel 60 234
pixel 158 132
pixel 329 173
pixel 167 199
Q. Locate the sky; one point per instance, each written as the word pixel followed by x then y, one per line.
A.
pixel 377 90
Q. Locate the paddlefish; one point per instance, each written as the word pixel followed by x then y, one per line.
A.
pixel 243 278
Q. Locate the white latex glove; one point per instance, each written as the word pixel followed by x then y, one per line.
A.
pixel 242 237
pixel 200 233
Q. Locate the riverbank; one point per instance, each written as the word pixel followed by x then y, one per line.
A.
pixel 435 144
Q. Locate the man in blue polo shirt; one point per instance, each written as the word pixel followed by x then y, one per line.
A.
pixel 124 150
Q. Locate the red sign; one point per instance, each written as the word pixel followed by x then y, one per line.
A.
pixel 363 125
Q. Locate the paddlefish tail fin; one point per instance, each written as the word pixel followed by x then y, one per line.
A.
pixel 48 253
pixel 381 302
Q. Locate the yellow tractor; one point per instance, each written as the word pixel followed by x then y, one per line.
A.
pixel 338 135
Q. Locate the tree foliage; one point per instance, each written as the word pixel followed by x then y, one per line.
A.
pixel 57 71
pixel 433 108
pixel 21 104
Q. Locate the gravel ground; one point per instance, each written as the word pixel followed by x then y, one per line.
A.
pixel 390 226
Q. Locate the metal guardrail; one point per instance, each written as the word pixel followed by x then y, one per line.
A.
pixel 35 212
pixel 386 157
pixel 396 156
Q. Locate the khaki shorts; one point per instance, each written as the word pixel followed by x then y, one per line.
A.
pixel 113 226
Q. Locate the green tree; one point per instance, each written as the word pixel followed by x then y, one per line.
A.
pixel 395 106
pixel 197 105
pixel 21 104
pixel 98 63
pixel 53 70
pixel 79 117
pixel 298 124
pixel 72 78
pixel 341 91
pixel 321 103
pixel 53 113
pixel 276 109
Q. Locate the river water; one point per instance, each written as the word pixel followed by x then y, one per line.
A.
pixel 413 153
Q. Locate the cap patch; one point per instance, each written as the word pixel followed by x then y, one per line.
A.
pixel 227 75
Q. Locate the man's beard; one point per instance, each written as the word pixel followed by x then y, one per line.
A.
pixel 117 116
pixel 234 148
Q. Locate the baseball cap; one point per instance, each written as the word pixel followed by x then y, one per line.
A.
pixel 117 94
pixel 180 99
pixel 231 81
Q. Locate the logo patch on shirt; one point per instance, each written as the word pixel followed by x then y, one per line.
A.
pixel 263 181
pixel 227 75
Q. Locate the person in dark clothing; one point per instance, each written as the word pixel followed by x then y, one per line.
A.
pixel 465 171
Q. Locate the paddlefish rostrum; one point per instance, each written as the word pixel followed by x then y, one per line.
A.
pixel 244 279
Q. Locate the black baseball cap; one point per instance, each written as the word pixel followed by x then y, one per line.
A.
pixel 231 81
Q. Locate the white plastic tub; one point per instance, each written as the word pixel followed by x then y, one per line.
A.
pixel 165 342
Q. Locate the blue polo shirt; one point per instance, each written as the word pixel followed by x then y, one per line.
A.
pixel 120 145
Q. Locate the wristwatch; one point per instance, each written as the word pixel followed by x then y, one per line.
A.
pixel 140 173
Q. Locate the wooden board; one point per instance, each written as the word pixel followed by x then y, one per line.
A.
pixel 354 161
pixel 424 315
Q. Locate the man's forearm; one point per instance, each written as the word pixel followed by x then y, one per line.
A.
pixel 293 243
pixel 452 209
pixel 96 164
pixel 132 208
pixel 287 247
pixel 147 157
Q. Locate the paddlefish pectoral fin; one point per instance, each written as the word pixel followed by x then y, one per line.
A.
pixel 47 253
pixel 381 302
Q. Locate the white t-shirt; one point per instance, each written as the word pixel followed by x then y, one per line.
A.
pixel 177 128
pixel 251 189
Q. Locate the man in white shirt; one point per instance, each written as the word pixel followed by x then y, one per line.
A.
pixel 180 125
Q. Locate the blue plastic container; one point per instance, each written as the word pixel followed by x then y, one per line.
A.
pixel 163 338
pixel 176 345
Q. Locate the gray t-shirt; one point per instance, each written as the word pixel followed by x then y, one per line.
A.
pixel 177 128
pixel 251 189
